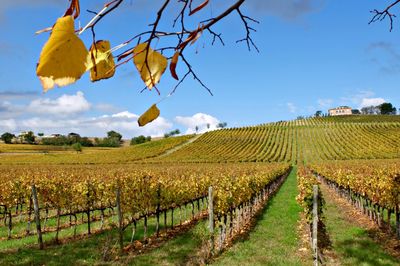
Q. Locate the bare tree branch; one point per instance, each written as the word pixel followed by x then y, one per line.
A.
pixel 382 15
pixel 183 35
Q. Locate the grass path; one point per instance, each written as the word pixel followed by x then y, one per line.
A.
pixel 351 242
pixel 178 147
pixel 274 240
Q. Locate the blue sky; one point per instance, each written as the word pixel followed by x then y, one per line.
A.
pixel 314 55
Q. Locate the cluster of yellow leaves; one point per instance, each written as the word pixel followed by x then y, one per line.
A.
pixel 64 58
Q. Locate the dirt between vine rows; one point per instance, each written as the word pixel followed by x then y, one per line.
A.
pixel 382 236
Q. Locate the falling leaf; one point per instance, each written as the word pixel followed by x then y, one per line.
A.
pixel 172 66
pixel 200 7
pixel 102 62
pixel 151 114
pixel 63 58
pixel 152 70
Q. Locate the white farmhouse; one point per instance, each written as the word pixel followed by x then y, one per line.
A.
pixel 341 110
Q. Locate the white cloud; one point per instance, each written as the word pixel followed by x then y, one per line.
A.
pixel 201 120
pixel 124 122
pixel 371 102
pixel 65 105
pixel 105 107
pixel 69 113
pixel 362 98
pixel 8 125
pixel 356 99
pixel 324 103
pixel 292 108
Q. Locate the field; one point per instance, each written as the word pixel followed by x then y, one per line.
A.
pixel 227 197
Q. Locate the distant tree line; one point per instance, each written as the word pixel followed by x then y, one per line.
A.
pixel 172 133
pixel 140 139
pixel 70 139
pixel 382 109
pixel 113 139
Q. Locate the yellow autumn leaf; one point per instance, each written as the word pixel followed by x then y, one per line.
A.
pixel 63 58
pixel 151 114
pixel 151 71
pixel 102 64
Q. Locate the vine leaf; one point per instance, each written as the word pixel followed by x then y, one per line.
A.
pixel 102 65
pixel 151 114
pixel 64 57
pixel 151 69
pixel 172 65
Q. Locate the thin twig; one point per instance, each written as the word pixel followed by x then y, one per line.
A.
pixel 381 15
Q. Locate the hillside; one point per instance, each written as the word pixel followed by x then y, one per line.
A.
pixel 330 138
pixel 55 155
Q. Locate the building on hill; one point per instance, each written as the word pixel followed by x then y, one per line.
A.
pixel 341 110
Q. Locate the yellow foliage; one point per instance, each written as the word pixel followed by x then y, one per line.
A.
pixel 151 71
pixel 151 114
pixel 64 57
pixel 102 64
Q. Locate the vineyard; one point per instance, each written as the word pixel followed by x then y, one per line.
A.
pixel 143 193
pixel 298 141
pixel 373 186
pixel 136 193
pixel 91 155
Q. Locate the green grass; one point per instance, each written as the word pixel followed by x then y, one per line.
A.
pixel 177 251
pixel 274 240
pixel 352 243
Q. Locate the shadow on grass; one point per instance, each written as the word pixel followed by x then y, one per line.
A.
pixel 102 248
pixel 361 250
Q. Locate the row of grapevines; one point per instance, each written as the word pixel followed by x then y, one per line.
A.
pixel 144 189
pixel 305 183
pixel 377 180
pixel 300 140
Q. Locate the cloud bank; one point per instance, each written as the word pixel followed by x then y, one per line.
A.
pixel 74 113
pixel 203 122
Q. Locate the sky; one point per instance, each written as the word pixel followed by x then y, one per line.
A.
pixel 313 55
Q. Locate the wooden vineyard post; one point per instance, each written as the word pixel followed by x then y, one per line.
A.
pixel 9 224
pixel 37 216
pixel 211 217
pixel 119 213
pixel 315 225
pixel 397 217
pixel 28 228
pixel 158 211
